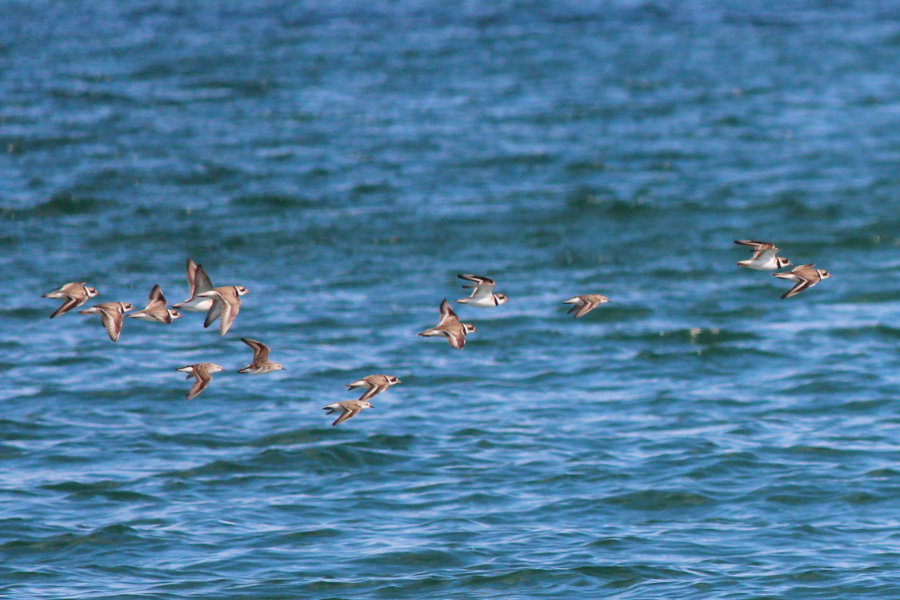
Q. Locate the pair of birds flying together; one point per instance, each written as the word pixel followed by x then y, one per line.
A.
pixel 221 303
pixel 374 384
pixel 202 372
pixel 765 258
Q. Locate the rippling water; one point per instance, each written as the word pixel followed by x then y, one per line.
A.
pixel 695 438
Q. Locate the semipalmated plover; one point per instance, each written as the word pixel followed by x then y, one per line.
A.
pixel 375 384
pixel 483 295
pixel 764 256
pixel 805 277
pixel 74 294
pixel 450 327
pixel 350 409
pixel 111 314
pixel 226 304
pixel 156 310
pixel 199 282
pixel 585 304
pixel 202 372
pixel 260 363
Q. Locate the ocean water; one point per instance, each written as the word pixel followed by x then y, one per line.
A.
pixel 697 437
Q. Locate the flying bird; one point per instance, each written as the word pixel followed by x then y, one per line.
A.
pixel 261 363
pixel 450 327
pixel 349 408
pixel 111 315
pixel 483 293
pixel 219 302
pixel 375 384
pixel 156 310
pixel 202 372
pixel 804 277
pixel 764 256
pixel 585 304
pixel 73 295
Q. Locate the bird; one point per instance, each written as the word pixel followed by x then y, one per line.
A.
pixel 111 314
pixel 199 282
pixel 585 304
pixel 483 293
pixel 349 408
pixel 203 373
pixel 375 384
pixel 450 327
pixel 73 294
pixel 217 302
pixel 804 276
pixel 156 310
pixel 261 363
pixel 226 304
pixel 764 256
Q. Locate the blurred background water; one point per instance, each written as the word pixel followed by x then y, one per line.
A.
pixel 696 438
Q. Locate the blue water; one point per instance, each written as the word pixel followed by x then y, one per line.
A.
pixel 696 438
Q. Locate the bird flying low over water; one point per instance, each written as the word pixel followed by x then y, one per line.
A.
pixel 156 310
pixel 804 276
pixel 450 327
pixel 111 315
pixel 217 302
pixel 349 408
pixel 226 304
pixel 585 304
pixel 483 293
pixel 72 294
pixel 764 256
pixel 375 384
pixel 261 363
pixel 202 372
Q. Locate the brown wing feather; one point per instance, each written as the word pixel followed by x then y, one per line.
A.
pixel 374 390
pixel 231 307
pixel 200 383
pixel 65 307
pixel 260 350
pixel 347 414
pixel 214 312
pixel 112 320
pixel 202 282
pixel 457 339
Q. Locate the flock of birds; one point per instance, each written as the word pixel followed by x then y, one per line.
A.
pixel 223 304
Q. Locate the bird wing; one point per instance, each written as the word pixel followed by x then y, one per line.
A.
pixel 112 320
pixel 156 295
pixel 375 388
pixel 156 306
pixel 215 311
pixel 66 306
pixel 202 380
pixel 448 317
pixel 348 413
pixel 798 287
pixel 446 310
pixel 756 245
pixel 230 308
pixel 586 307
pixel 260 350
pixel 457 338
pixel 201 282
